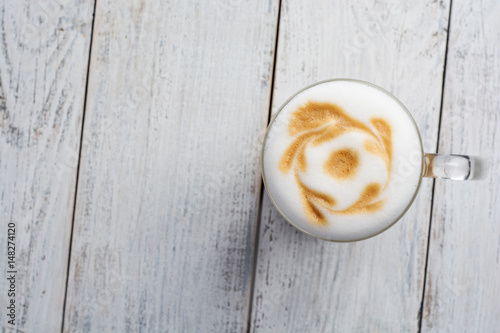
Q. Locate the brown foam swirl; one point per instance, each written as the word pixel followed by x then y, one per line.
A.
pixel 317 123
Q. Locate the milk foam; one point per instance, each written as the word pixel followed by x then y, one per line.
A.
pixel 334 197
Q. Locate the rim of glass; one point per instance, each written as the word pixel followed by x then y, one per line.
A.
pixel 367 84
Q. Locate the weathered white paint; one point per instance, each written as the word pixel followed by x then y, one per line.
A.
pixel 169 180
pixel 463 278
pixel 44 49
pixel 169 183
pixel 307 285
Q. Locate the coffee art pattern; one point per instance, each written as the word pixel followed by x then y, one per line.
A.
pixel 342 160
pixel 317 123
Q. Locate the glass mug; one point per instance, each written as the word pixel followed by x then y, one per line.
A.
pixel 343 160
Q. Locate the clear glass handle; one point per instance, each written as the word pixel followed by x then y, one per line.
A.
pixel 457 167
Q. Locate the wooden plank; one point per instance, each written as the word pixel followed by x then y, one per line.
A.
pixel 44 50
pixel 463 284
pixel 308 285
pixel 169 184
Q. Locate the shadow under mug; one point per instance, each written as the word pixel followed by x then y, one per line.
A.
pixel 443 166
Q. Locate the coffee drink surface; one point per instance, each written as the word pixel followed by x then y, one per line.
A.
pixel 342 160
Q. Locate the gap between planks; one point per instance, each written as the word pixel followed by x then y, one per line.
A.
pixel 422 303
pixel 261 198
pixel 78 167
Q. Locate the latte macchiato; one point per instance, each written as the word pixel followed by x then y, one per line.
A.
pixel 342 160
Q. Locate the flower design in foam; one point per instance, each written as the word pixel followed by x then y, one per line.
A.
pixel 317 123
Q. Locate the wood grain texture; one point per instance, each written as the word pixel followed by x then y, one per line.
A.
pixel 169 184
pixel 44 49
pixel 463 281
pixel 307 285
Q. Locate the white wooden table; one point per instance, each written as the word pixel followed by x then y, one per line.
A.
pixel 130 136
